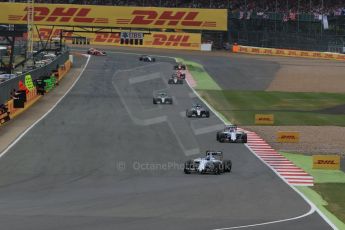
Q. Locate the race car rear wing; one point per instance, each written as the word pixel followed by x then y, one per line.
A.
pixel 215 153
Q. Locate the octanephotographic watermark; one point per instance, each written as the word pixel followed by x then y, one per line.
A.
pixel 149 166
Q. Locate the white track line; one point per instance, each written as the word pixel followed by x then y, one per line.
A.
pixel 46 114
pixel 311 211
pixel 313 208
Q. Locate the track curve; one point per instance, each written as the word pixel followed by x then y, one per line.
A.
pixel 106 158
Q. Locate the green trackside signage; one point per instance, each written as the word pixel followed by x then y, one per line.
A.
pixel 28 82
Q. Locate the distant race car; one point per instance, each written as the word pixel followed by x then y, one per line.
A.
pixel 95 52
pixel 212 163
pixel 147 58
pixel 232 135
pixel 197 111
pixel 175 80
pixel 162 98
pixel 180 74
pixel 180 66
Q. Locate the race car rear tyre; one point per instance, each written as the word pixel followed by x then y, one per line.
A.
pixel 207 113
pixel 217 169
pixel 186 171
pixel 227 166
pixel 154 101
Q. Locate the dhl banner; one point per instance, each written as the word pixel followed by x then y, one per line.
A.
pixel 288 137
pixel 288 53
pixel 264 119
pixel 116 16
pixel 167 40
pixel 326 162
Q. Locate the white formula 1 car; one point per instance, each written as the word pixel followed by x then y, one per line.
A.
pixel 147 58
pixel 197 111
pixel 162 98
pixel 212 163
pixel 232 135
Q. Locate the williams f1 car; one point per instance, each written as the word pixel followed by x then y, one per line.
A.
pixel 175 80
pixel 212 163
pixel 180 66
pixel 95 52
pixel 147 58
pixel 197 111
pixel 232 135
pixel 162 98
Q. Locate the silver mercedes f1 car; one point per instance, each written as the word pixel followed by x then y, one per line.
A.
pixel 162 98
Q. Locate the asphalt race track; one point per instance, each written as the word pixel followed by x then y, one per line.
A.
pixel 107 158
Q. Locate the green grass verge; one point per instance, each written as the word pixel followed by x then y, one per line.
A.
pixel 322 205
pixel 328 192
pixel 334 194
pixel 203 79
pixel 288 108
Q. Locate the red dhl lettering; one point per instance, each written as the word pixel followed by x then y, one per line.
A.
pixel 61 14
pixel 280 52
pixel 328 55
pixel 170 18
pixel 268 51
pixel 290 137
pixel 293 53
pixel 265 119
pixel 304 54
pixel 325 162
pixel 316 54
pixel 255 50
pixel 44 33
pixel 171 40
pixel 107 37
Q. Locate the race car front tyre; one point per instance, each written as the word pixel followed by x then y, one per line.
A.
pixel 207 113
pixel 154 101
pixel 188 113
pixel 187 166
